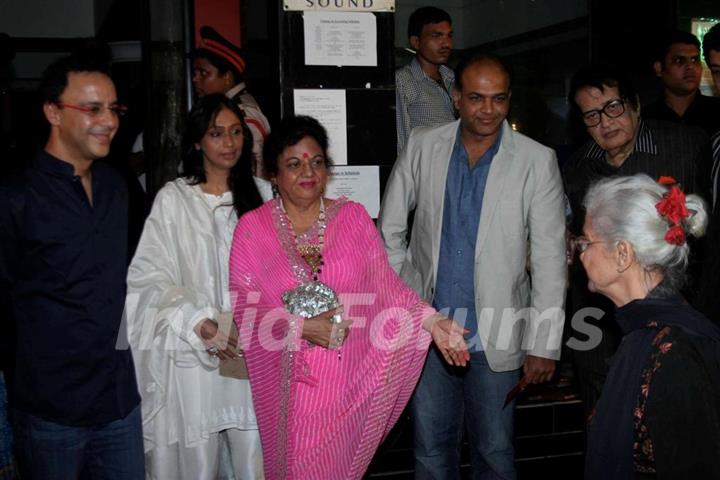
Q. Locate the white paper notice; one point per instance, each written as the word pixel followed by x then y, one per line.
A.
pixel 340 38
pixel 329 108
pixel 358 183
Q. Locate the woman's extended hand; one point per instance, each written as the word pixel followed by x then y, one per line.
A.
pixel 320 330
pixel 218 343
pixel 448 337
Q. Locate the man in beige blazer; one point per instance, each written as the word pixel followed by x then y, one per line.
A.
pixel 487 247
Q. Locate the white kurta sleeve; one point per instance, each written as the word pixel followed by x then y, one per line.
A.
pixel 163 305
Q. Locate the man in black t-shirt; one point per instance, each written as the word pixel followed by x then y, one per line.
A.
pixel 678 65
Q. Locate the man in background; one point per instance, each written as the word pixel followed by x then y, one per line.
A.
pixel 678 66
pixel 711 52
pixel 708 300
pixel 423 88
pixel 218 66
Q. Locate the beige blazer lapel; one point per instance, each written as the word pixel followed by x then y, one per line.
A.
pixel 494 187
pixel 441 152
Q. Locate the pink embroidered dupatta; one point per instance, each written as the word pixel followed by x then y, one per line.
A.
pixel 323 415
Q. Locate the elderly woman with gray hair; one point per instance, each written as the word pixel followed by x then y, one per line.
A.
pixel 659 412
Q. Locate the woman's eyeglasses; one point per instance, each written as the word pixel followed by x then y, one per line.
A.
pixel 581 244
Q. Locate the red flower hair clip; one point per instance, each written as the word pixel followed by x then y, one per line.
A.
pixel 672 208
pixel 675 235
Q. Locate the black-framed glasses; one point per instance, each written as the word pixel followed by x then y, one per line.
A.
pixel 612 109
pixel 95 109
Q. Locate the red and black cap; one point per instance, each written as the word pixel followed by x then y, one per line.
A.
pixel 212 41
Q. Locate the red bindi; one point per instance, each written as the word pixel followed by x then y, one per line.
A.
pixel 305 155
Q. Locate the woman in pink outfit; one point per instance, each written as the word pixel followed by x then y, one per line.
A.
pixel 334 340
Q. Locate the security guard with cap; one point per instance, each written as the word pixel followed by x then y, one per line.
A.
pixel 218 66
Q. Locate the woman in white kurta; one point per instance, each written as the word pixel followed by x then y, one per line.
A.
pixel 177 297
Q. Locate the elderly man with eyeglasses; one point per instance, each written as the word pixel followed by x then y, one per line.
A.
pixel 621 143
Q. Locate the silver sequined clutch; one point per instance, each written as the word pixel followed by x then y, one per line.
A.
pixel 311 299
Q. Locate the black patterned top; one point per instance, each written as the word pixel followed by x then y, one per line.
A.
pixel 659 412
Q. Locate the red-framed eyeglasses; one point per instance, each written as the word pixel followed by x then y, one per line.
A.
pixel 95 109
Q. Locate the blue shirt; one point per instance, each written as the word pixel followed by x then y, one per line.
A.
pixel 63 264
pixel 455 283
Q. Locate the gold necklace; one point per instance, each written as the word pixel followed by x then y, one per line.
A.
pixel 312 252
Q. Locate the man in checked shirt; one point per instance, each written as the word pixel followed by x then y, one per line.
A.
pixel 423 88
